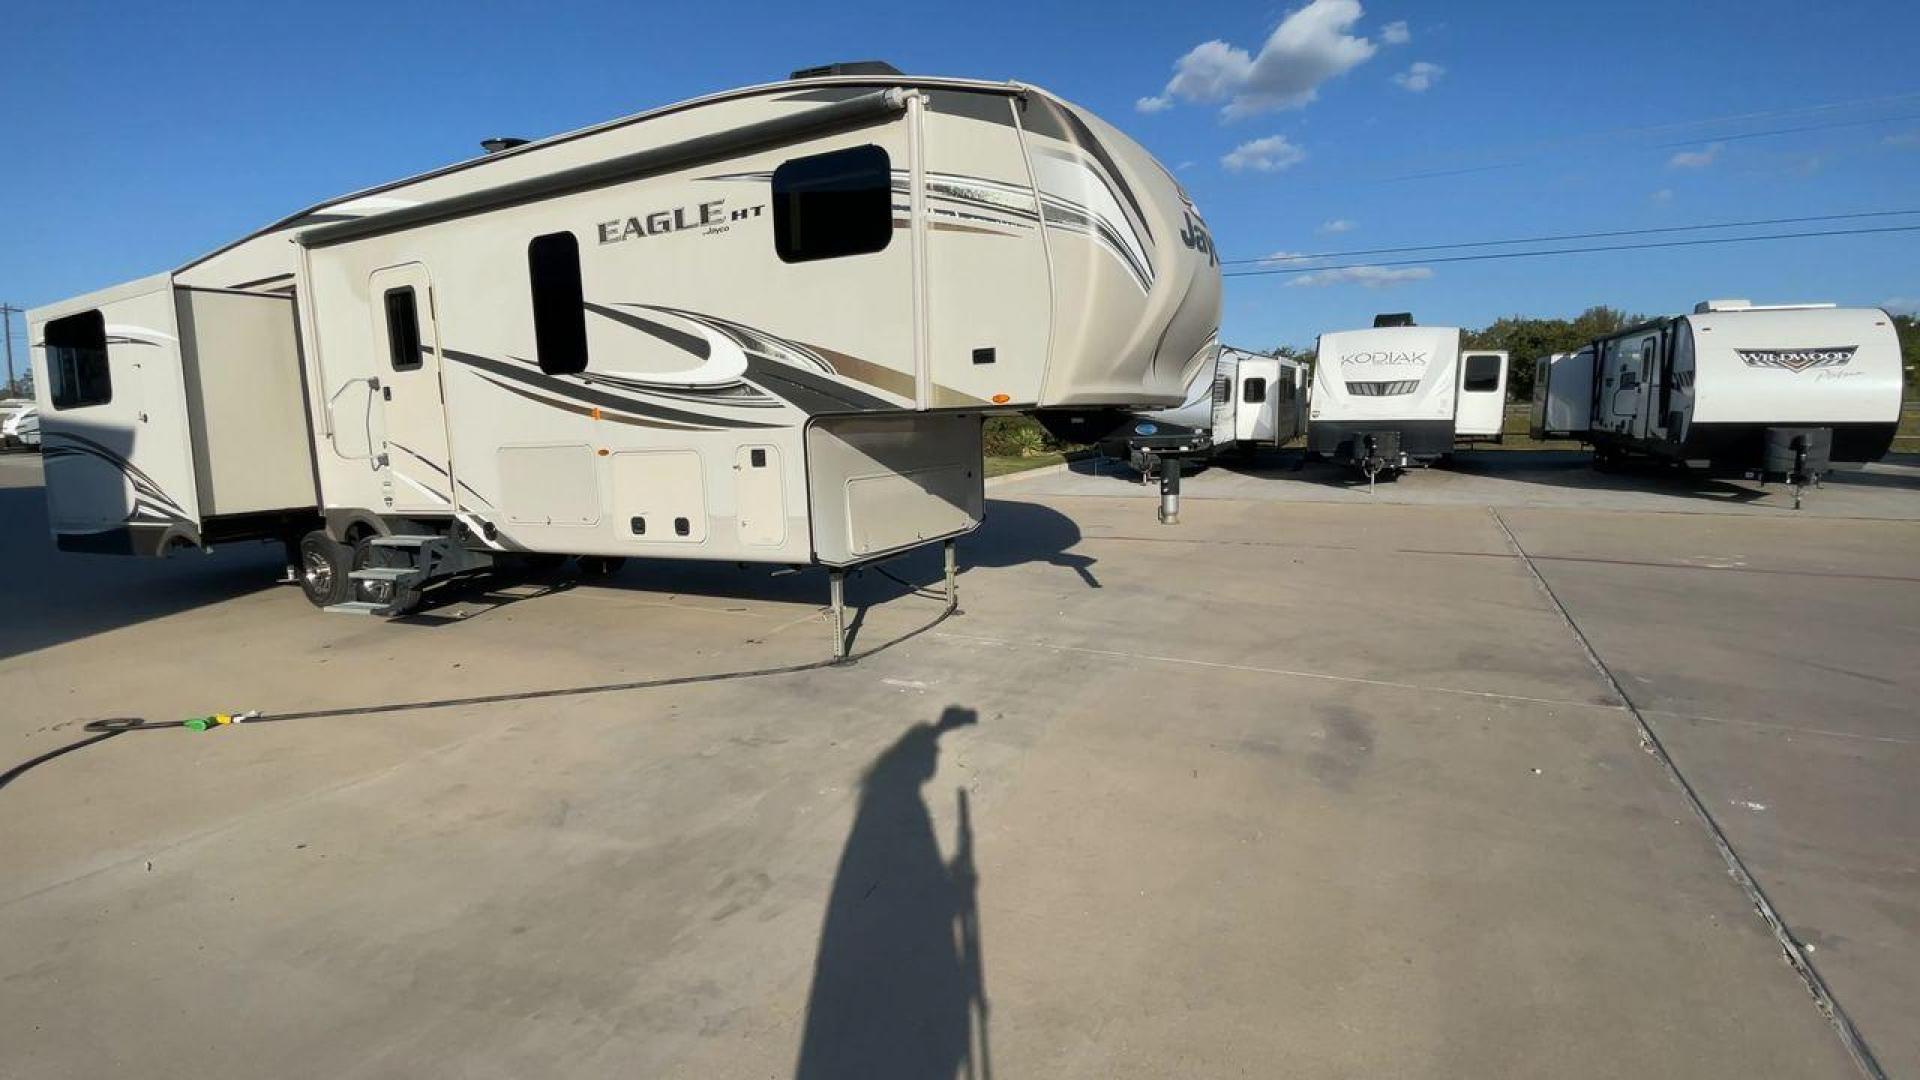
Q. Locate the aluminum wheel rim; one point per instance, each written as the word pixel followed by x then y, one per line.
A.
pixel 318 573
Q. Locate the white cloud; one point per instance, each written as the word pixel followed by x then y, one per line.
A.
pixel 1661 197
pixel 1902 305
pixel 1336 225
pixel 1396 33
pixel 1309 47
pixel 1420 77
pixel 1184 166
pixel 1696 159
pixel 1372 277
pixel 1271 154
pixel 1902 138
pixel 1280 258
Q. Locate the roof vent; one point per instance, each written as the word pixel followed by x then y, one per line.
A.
pixel 1705 306
pixel 1393 318
pixel 848 67
pixel 501 142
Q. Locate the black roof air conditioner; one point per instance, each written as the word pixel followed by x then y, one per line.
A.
pixel 848 67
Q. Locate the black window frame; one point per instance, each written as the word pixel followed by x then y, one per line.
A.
pixel 1253 390
pixel 819 212
pixel 403 334
pixel 1468 379
pixel 559 300
pixel 79 371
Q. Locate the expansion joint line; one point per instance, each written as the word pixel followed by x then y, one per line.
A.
pixel 1850 1036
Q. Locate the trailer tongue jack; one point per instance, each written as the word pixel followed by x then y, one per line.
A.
pixel 1170 491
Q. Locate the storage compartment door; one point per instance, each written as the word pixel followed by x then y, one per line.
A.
pixel 759 496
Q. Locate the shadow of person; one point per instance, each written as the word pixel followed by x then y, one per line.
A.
pixel 898 976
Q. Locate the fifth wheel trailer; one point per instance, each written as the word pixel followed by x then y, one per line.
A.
pixel 1398 394
pixel 759 326
pixel 1790 390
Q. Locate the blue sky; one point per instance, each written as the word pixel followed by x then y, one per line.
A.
pixel 143 135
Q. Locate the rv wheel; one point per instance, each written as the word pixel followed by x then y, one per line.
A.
pixel 323 567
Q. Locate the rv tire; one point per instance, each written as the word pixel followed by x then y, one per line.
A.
pixel 322 569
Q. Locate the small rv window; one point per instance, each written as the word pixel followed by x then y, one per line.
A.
pixel 831 205
pixel 403 329
pixel 559 304
pixel 1253 391
pixel 77 372
pixel 1483 374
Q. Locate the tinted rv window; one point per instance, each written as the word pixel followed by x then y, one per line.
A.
pixel 831 205
pixel 559 304
pixel 1253 391
pixel 1483 373
pixel 403 329
pixel 77 361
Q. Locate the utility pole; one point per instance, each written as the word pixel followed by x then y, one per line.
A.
pixel 6 315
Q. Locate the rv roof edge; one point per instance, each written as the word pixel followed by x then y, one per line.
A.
pixel 1708 307
pixel 780 129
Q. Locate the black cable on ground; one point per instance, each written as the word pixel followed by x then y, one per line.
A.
pixel 1850 1037
pixel 102 730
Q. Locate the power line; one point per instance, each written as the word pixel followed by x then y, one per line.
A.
pixel 1536 150
pixel 1271 259
pixel 1574 250
pixel 1787 131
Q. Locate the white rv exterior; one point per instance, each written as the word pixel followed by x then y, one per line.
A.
pixel 759 326
pixel 1734 387
pixel 1245 401
pixel 1259 400
pixel 1395 395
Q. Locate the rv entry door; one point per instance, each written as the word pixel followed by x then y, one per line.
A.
pixel 416 468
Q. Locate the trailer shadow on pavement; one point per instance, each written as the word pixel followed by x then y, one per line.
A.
pixel 54 597
pixel 1574 469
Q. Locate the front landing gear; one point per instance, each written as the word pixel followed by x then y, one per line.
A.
pixel 837 595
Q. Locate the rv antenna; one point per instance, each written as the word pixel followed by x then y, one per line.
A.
pixel 1393 318
pixel 501 142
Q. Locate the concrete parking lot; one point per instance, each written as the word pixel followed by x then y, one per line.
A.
pixel 1310 784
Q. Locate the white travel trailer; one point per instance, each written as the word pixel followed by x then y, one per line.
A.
pixel 1245 402
pixel 1397 394
pixel 1788 390
pixel 758 326
pixel 1259 401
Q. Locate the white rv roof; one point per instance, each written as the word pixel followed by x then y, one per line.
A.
pixel 1707 306
pixel 878 80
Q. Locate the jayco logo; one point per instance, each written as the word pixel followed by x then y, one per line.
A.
pixel 1196 236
